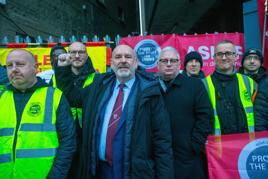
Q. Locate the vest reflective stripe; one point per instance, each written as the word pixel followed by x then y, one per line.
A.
pixel 37 140
pixel 5 158
pixel 77 112
pixel 47 125
pixel 246 89
pixel 38 127
pixel 6 132
pixel 249 109
pixel 35 153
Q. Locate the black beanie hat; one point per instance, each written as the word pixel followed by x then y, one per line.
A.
pixel 193 55
pixel 56 47
pixel 252 51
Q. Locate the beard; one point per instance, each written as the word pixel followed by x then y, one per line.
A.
pixel 124 73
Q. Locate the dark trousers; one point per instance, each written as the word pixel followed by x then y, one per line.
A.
pixel 105 171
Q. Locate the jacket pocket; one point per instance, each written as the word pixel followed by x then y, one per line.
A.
pixel 143 169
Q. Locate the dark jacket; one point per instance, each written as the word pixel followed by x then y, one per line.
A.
pixel 200 75
pixel 229 107
pixel 3 76
pixel 258 77
pixel 191 117
pixel 64 124
pixel 261 107
pixel 147 151
pixel 79 79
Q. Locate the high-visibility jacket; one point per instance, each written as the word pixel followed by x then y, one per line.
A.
pixel 77 112
pixel 36 140
pixel 246 90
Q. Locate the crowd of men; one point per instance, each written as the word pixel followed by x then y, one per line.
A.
pixel 72 122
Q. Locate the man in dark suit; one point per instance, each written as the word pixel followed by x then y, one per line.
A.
pixel 191 116
pixel 126 130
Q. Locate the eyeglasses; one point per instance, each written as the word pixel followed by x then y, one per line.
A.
pixel 80 52
pixel 253 57
pixel 169 61
pixel 227 54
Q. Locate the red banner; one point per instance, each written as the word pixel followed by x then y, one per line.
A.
pixel 238 156
pixel 148 47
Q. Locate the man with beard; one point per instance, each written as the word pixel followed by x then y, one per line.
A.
pixel 252 61
pixel 37 132
pixel 83 75
pixel 82 72
pixel 191 116
pixel 126 130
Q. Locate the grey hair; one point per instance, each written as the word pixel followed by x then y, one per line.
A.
pixel 169 48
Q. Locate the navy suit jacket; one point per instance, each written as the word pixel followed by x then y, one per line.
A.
pixel 119 153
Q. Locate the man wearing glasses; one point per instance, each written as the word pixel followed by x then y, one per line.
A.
pixel 230 93
pixel 251 65
pixel 83 75
pixel 191 116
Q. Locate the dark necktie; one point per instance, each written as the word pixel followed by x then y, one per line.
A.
pixel 114 119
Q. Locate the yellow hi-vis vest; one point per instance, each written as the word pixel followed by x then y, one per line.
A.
pixel 77 112
pixel 246 90
pixel 37 140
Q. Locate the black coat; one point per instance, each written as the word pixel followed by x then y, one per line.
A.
pixel 258 77
pixel 191 117
pixel 65 129
pixel 261 107
pixel 149 138
pixel 200 75
pixel 79 80
pixel 3 76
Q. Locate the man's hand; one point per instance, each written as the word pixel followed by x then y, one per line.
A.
pixel 64 59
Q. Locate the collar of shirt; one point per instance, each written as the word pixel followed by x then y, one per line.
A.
pixel 128 84
pixel 108 112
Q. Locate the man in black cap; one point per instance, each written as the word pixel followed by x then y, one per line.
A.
pixel 55 51
pixel 192 65
pixel 251 65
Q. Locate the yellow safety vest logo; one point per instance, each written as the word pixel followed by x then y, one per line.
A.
pixel 34 109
